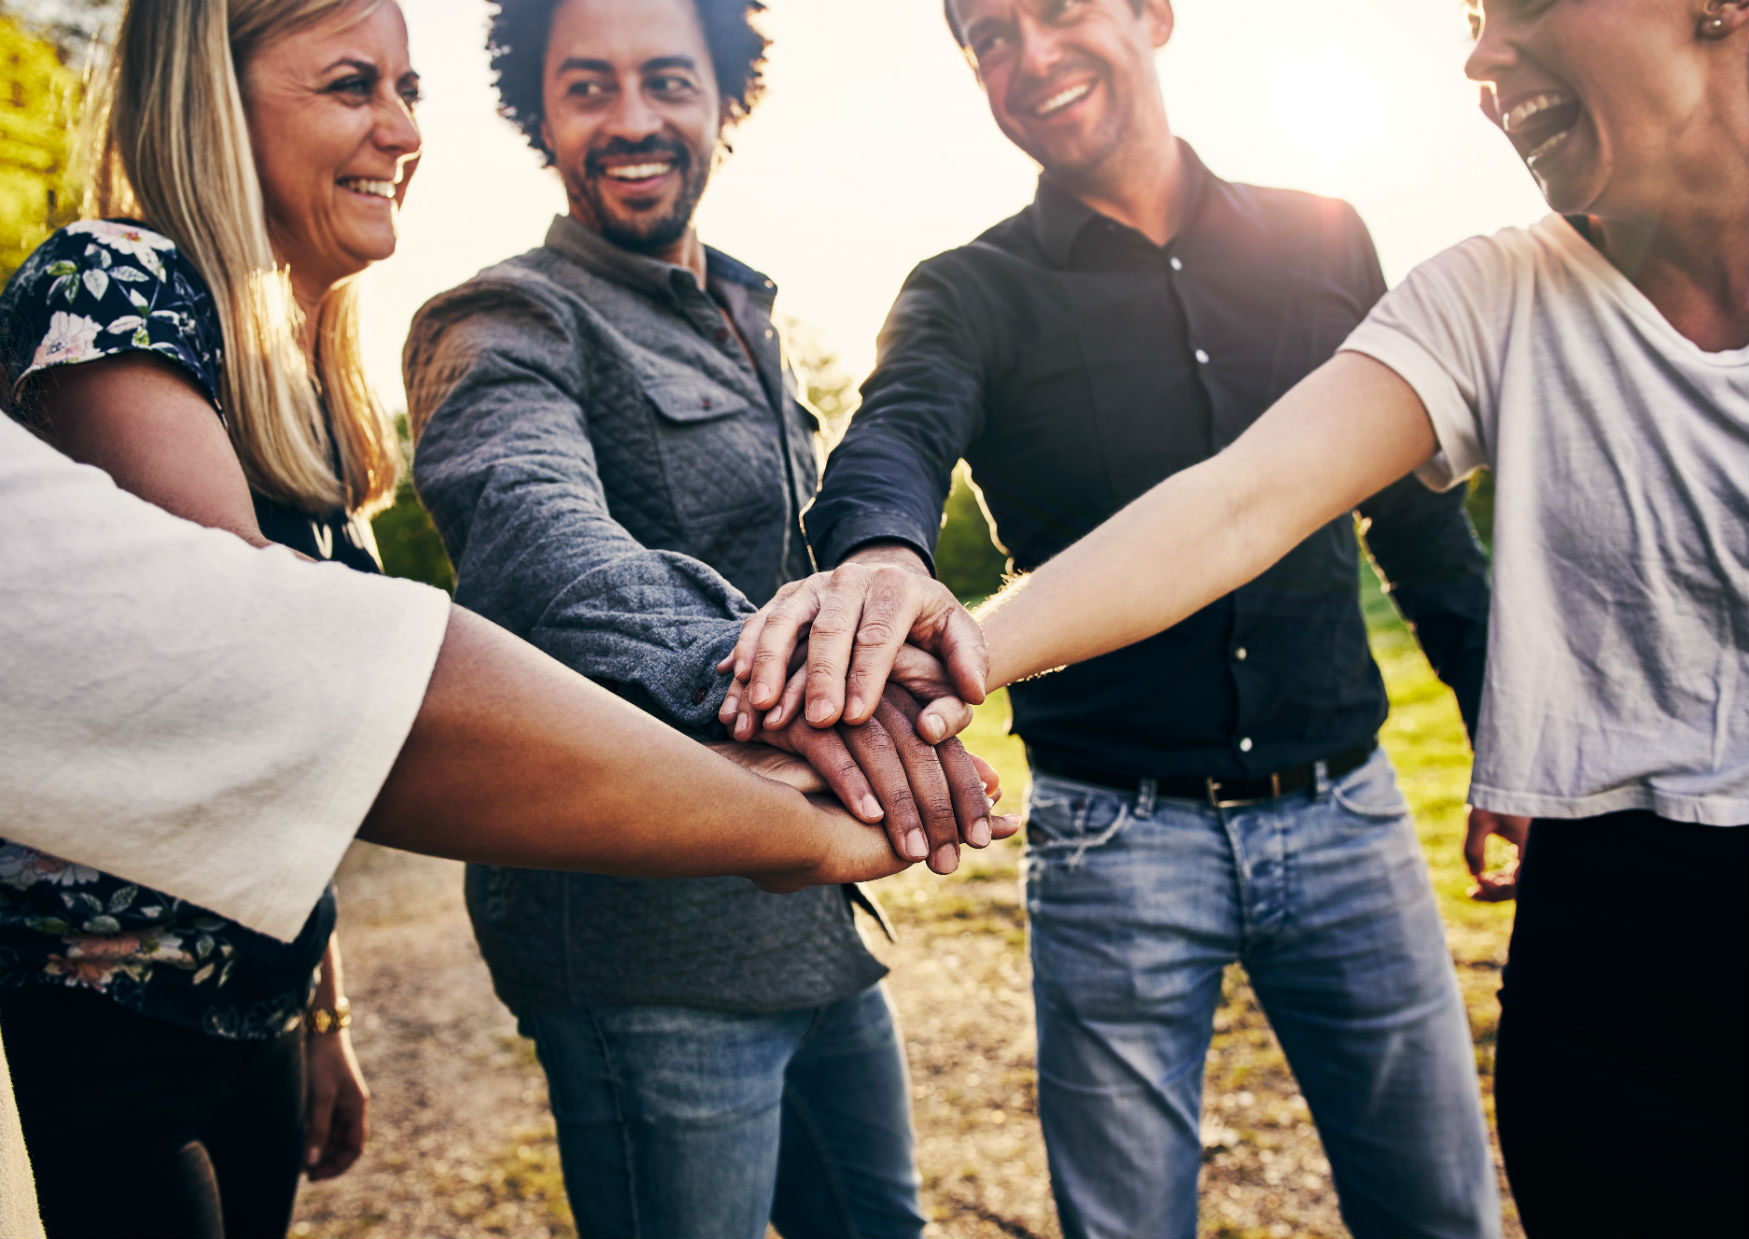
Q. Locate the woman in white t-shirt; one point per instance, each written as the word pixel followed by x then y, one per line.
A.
pixel 1599 363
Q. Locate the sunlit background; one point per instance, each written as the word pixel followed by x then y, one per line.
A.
pixel 873 148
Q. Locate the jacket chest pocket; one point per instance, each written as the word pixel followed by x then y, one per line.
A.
pixel 720 453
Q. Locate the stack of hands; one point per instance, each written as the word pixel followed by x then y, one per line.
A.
pixel 864 676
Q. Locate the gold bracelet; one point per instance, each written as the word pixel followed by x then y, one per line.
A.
pixel 329 1019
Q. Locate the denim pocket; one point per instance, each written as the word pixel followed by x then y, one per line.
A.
pixel 1064 819
pixel 1371 791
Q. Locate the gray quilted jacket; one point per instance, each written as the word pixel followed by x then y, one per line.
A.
pixel 618 481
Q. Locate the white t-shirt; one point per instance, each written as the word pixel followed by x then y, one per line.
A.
pixel 182 709
pixel 1618 651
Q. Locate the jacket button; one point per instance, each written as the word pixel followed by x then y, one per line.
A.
pixel 699 696
pixel 722 334
pixel 706 402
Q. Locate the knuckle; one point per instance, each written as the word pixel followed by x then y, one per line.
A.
pixel 936 805
pixel 875 630
pixel 875 740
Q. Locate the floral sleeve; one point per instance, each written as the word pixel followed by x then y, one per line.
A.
pixel 102 288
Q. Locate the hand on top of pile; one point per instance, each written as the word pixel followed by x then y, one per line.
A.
pixel 880 714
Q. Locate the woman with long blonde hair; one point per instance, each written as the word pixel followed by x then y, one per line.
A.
pixel 196 337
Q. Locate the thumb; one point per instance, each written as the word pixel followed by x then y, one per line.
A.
pixel 967 656
pixel 1476 842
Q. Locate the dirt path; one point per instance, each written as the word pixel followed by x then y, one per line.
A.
pixel 462 1142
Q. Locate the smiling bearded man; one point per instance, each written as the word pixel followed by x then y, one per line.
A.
pixel 613 452
pixel 1214 794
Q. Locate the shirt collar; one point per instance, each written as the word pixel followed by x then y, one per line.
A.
pixel 663 281
pixel 1059 216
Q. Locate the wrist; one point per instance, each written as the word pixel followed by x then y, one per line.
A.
pixel 897 554
pixel 325 1018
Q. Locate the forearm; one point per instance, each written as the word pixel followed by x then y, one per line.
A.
pixel 1339 436
pixel 330 982
pixel 515 760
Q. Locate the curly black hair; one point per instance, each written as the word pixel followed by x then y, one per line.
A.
pixel 517 43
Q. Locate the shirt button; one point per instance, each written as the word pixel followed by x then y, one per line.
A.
pixel 1245 745
pixel 1177 263
pixel 768 333
pixel 1241 653
pixel 699 696
pixel 1202 357
pixel 722 334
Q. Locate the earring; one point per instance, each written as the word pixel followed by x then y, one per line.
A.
pixel 1713 28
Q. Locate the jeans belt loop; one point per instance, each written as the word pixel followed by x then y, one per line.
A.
pixel 1145 795
pixel 1320 778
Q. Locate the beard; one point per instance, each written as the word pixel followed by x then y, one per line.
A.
pixel 642 232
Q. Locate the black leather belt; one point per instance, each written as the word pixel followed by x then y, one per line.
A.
pixel 1221 793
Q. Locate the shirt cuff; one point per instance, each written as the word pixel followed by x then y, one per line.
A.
pixel 690 695
pixel 853 533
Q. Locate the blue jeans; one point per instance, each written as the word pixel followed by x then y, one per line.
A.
pixel 1138 904
pixel 675 1121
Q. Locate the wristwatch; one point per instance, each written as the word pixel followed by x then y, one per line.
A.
pixel 329 1019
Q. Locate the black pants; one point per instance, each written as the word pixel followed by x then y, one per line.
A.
pixel 1622 1082
pixel 138 1127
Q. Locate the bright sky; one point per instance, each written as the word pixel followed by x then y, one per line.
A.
pixel 873 148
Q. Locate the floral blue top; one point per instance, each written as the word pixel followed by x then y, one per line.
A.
pixel 96 289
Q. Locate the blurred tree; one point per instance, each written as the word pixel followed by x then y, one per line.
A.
pixel 38 95
pixel 966 559
pixel 406 540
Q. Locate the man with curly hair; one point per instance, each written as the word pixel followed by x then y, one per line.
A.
pixel 613 452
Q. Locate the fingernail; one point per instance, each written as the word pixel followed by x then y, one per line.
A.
pixel 871 809
pixel 740 669
pixel 947 858
pixel 775 718
pixel 932 729
pixel 979 834
pixel 819 712
pixel 853 707
pixel 916 845
pixel 312 1157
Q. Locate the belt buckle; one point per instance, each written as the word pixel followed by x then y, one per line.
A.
pixel 1214 794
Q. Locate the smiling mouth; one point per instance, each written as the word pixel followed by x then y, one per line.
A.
pixel 1067 97
pixel 370 188
pixel 638 172
pixel 1539 125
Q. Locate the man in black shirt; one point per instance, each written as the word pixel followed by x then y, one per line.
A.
pixel 1214 793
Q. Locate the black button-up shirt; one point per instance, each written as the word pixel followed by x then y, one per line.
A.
pixel 1074 364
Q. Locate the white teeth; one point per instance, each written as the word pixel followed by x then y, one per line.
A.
pixel 639 171
pixel 378 189
pixel 1547 146
pixel 1062 99
pixel 1529 108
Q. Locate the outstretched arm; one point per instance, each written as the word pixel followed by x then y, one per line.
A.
pixel 1349 429
pixel 515 760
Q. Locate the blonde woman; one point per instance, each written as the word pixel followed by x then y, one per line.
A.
pixel 196 339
